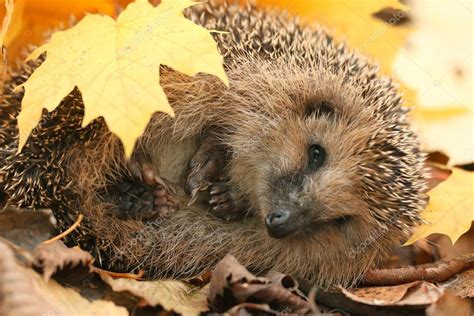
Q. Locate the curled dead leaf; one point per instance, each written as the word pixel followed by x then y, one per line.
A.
pixel 56 256
pixel 461 285
pixel 417 293
pixel 232 284
pixel 251 309
pixel 172 295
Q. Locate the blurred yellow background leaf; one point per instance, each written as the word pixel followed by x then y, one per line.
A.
pixel 451 207
pixel 115 65
pixel 7 18
pixel 6 21
pixel 437 63
pixel 449 130
pixel 354 22
pixel 436 59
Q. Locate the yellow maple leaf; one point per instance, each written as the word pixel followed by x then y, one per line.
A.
pixel 115 65
pixel 451 207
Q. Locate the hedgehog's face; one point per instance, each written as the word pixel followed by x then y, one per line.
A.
pixel 311 184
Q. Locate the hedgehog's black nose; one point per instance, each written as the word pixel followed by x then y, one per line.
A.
pixel 279 224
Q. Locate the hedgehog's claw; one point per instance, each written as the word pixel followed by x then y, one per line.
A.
pixel 223 201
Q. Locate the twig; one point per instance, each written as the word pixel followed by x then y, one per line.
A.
pixel 66 232
pixel 432 272
pixel 137 276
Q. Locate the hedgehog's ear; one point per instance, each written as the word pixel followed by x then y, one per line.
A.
pixel 319 108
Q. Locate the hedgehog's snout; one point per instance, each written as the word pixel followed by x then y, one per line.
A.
pixel 287 211
pixel 279 223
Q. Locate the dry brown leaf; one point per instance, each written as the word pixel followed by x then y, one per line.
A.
pixel 26 228
pixel 232 284
pixel 437 174
pixel 251 309
pixel 172 295
pixel 449 305
pixel 284 280
pixel 417 293
pixel 23 292
pixel 461 285
pixel 56 256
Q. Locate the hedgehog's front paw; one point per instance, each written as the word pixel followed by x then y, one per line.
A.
pixel 204 167
pixel 145 200
pixel 163 203
pixel 224 201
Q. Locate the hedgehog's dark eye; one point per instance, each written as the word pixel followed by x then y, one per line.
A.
pixel 319 108
pixel 317 155
pixel 342 220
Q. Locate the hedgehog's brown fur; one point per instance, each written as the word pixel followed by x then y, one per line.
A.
pixel 275 67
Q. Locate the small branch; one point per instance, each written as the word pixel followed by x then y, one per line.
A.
pixel 137 276
pixel 432 272
pixel 66 232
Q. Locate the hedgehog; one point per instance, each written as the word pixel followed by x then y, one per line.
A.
pixel 306 164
